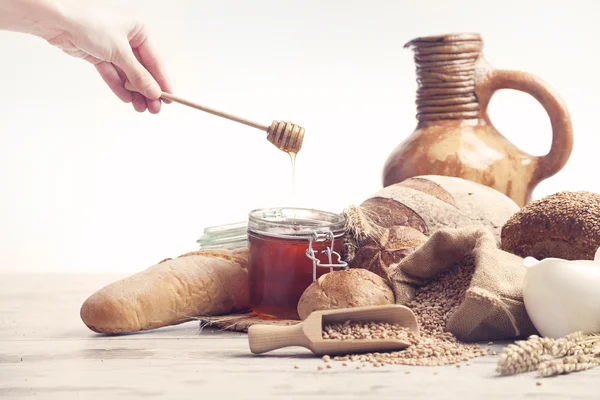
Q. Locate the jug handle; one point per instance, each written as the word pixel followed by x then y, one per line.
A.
pixel 560 119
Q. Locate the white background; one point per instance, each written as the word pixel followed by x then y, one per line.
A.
pixel 89 185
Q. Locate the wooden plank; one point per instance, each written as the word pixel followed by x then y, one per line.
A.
pixel 45 350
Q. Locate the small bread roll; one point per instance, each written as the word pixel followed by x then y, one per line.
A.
pixel 563 225
pixel 355 287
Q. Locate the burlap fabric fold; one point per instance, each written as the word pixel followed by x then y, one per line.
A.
pixel 492 307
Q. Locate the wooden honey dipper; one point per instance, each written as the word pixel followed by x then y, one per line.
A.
pixel 286 136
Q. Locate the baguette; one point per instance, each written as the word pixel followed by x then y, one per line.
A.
pixel 200 283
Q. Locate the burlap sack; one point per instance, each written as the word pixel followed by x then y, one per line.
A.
pixel 492 308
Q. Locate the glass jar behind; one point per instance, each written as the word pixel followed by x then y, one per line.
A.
pixel 230 236
pixel 281 243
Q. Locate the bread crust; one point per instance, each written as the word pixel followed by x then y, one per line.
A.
pixel 355 287
pixel 425 204
pixel 563 225
pixel 448 202
pixel 377 254
pixel 204 283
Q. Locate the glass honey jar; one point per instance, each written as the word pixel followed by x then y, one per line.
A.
pixel 289 248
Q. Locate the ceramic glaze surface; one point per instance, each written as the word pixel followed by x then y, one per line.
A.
pixel 454 135
pixel 562 296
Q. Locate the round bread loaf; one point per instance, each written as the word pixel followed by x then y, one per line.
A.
pixel 431 202
pixel 563 225
pixel 355 287
pixel 426 204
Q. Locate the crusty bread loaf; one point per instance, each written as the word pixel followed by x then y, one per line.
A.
pixel 425 204
pixel 354 287
pixel 563 225
pixel 431 202
pixel 201 283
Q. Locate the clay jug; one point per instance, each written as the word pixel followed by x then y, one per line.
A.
pixel 454 135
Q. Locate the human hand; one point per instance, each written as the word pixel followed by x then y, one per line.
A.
pixel 120 49
pixel 115 43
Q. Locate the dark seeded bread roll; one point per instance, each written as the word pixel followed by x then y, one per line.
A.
pixel 563 225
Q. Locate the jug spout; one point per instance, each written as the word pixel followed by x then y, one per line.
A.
pixel 530 262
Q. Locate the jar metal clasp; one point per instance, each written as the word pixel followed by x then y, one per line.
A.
pixel 319 236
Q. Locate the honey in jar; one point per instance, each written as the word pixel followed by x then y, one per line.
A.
pixel 280 268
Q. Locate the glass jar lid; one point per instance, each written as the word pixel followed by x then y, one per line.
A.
pixel 294 223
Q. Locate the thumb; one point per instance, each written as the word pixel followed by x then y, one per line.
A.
pixel 136 74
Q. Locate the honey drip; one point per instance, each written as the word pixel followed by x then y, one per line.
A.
pixel 293 160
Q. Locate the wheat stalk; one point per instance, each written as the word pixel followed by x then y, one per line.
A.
pixel 360 225
pixel 566 365
pixel 523 355
pixel 572 353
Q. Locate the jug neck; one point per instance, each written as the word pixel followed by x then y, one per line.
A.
pixel 446 76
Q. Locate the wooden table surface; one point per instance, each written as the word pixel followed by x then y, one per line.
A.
pixel 47 352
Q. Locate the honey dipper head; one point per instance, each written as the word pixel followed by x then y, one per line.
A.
pixel 286 136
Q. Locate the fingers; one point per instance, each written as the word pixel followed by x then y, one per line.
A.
pixel 139 102
pixel 146 54
pixel 136 74
pixel 137 63
pixel 93 60
pixel 152 105
pixel 111 77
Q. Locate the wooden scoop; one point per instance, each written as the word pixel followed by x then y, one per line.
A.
pixel 308 333
pixel 285 136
